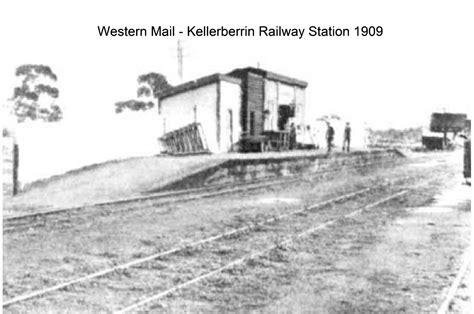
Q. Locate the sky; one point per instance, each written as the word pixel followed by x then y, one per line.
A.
pixel 422 63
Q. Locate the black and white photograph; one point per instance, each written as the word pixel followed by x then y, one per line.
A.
pixel 236 157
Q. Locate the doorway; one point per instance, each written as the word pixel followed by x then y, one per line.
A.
pixel 285 112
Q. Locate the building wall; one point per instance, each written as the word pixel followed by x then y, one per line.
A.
pixel 300 101
pixel 245 104
pixel 303 135
pixel 230 106
pixel 277 93
pixel 211 105
pixel 255 90
pixel 271 106
pixel 197 105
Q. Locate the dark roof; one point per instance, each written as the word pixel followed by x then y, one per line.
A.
pixel 196 84
pixel 233 77
pixel 270 75
pixel 451 122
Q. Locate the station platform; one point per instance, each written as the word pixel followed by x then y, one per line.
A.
pixel 135 177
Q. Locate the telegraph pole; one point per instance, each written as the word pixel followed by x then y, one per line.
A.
pixel 180 61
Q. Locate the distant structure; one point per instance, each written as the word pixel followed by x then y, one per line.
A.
pixel 447 123
pixel 248 109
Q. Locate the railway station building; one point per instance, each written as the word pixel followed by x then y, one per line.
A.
pixel 247 109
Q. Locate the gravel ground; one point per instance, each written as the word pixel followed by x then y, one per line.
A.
pixel 339 269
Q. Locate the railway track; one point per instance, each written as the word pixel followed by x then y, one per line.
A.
pixel 23 222
pixel 252 255
pixel 175 250
pixel 451 294
pixel 299 216
pixel 228 256
pixel 255 254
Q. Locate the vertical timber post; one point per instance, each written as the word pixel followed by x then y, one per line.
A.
pixel 16 163
pixel 180 61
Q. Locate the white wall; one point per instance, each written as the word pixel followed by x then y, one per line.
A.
pixel 300 100
pixel 231 99
pixel 178 111
pixel 48 149
pixel 271 104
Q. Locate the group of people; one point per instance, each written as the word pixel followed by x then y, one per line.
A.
pixel 346 143
pixel 330 133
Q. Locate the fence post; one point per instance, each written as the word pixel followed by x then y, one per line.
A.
pixel 16 163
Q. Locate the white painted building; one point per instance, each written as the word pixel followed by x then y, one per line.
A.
pixel 239 110
pixel 213 101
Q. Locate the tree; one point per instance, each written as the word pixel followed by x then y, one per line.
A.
pixel 155 83
pixel 150 86
pixel 134 105
pixel 34 87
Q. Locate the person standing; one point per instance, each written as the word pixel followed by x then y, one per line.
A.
pixel 347 138
pixel 292 136
pixel 329 136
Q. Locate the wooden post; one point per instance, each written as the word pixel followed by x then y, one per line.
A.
pixel 16 162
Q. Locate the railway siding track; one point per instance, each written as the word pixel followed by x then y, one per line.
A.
pixel 25 221
pixel 188 250
pixel 211 268
pixel 177 249
pixel 252 255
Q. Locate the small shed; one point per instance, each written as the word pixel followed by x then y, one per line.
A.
pixel 241 110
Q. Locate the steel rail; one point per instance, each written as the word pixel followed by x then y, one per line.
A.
pixel 244 185
pixel 9 222
pixel 254 255
pixel 179 248
pixel 194 244
pixel 444 308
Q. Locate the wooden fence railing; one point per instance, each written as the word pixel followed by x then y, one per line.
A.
pixel 186 140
